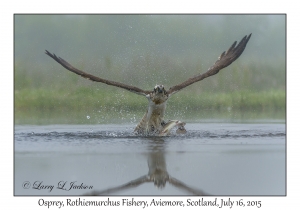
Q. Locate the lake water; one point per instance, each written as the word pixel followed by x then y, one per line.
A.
pixel 211 159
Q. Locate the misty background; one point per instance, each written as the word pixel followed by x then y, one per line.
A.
pixel 145 50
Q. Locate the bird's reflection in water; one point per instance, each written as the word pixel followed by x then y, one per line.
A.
pixel 157 174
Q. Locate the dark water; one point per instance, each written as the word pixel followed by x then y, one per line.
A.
pixel 211 159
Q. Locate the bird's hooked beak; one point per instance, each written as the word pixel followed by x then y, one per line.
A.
pixel 159 89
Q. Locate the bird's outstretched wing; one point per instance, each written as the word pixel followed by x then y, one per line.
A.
pixel 126 186
pixel 96 79
pixel 181 185
pixel 225 59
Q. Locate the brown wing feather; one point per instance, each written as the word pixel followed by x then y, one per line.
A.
pixel 132 184
pixel 181 185
pixel 94 78
pixel 225 59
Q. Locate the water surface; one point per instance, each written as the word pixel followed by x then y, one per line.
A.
pixel 211 159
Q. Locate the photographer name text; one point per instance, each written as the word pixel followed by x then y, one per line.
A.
pixel 61 185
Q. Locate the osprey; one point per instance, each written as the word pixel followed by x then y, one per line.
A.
pixel 157 173
pixel 153 121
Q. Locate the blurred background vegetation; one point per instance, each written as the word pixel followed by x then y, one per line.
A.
pixel 145 50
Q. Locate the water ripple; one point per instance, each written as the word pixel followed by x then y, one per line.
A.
pixel 130 135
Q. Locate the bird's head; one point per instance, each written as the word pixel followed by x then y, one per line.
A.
pixel 159 94
pixel 159 89
pixel 159 178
